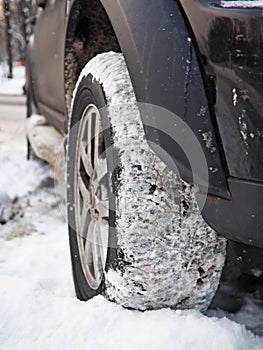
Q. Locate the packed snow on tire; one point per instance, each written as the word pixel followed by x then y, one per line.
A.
pixel 162 261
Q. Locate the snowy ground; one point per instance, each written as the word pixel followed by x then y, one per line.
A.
pixel 12 86
pixel 38 307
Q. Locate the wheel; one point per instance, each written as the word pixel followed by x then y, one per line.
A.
pixel 136 234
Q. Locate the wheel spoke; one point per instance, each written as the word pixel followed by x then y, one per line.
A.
pixel 102 206
pixel 89 137
pixel 101 171
pixel 103 241
pixel 86 160
pixel 89 243
pixel 84 191
pixel 96 137
pixel 84 222
pixel 97 264
pixel 92 252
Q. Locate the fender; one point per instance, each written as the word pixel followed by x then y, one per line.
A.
pixel 160 52
pixel 230 39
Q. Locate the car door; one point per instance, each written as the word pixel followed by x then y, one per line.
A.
pixel 48 50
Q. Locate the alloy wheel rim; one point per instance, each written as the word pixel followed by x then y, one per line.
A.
pixel 91 197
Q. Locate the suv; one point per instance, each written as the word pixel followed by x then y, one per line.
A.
pixel 158 105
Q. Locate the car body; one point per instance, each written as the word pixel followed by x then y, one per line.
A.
pixel 199 59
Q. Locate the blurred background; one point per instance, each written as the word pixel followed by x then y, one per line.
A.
pixel 17 18
pixel 16 21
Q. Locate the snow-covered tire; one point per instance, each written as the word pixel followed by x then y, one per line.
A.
pixel 161 252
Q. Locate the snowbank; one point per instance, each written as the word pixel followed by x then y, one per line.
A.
pixel 40 319
pixel 38 307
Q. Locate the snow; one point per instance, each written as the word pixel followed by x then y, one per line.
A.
pixel 38 307
pixel 20 167
pixel 12 86
pixel 242 4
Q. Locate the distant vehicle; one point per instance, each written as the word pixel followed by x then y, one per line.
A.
pixel 139 92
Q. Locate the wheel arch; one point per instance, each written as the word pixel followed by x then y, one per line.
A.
pixel 89 32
